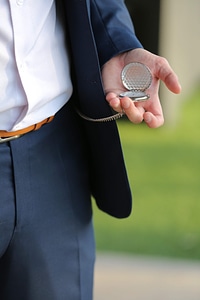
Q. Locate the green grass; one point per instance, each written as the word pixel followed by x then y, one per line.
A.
pixel 164 170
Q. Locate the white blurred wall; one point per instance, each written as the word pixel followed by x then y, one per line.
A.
pixel 180 44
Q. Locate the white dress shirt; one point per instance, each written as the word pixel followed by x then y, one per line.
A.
pixel 34 65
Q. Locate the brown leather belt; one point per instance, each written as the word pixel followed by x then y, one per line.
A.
pixel 6 136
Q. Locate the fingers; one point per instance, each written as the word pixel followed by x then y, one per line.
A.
pixel 167 75
pixel 136 112
pixel 114 101
pixel 126 105
pixel 153 121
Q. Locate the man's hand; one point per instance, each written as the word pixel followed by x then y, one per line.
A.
pixel 150 111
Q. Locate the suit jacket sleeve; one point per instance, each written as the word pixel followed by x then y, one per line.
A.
pixel 112 28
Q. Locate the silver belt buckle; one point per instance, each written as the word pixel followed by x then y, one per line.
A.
pixel 10 138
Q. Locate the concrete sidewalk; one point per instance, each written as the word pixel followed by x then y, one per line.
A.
pixel 119 277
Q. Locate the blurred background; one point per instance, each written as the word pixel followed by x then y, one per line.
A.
pixel 163 164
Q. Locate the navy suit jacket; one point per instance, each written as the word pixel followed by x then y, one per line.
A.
pixel 99 30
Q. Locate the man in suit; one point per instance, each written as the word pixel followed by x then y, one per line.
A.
pixel 51 159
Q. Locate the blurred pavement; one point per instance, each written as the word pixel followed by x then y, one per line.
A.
pixel 123 277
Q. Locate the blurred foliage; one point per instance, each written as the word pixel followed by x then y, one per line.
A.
pixel 164 170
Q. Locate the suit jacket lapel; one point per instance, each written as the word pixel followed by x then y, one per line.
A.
pixel 85 60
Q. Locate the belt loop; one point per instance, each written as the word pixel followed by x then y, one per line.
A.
pixel 49 119
pixel 37 126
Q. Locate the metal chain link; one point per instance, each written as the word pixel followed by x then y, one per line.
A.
pixel 106 119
